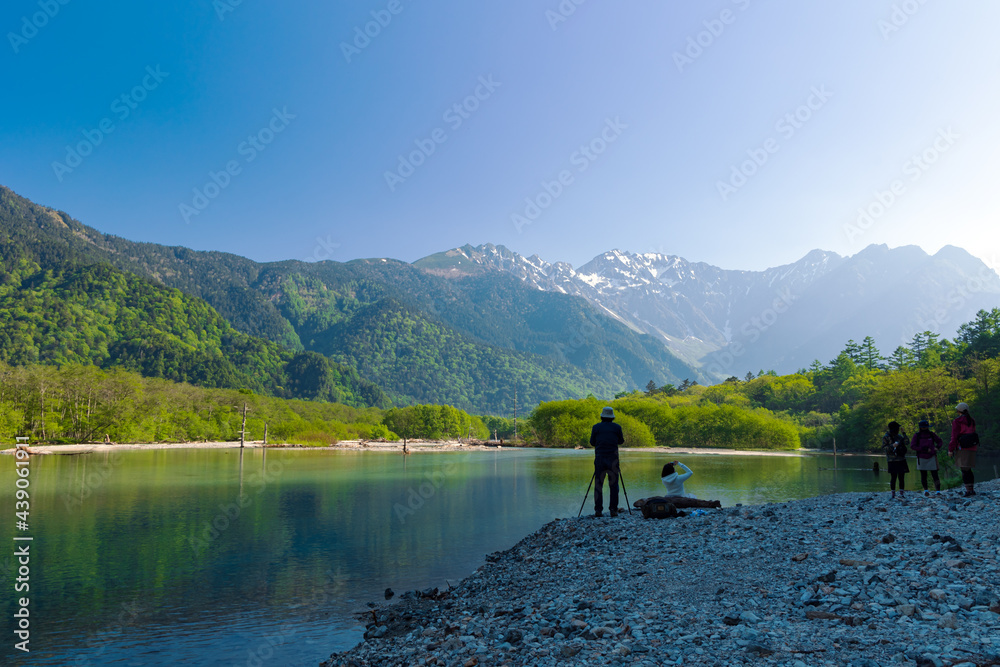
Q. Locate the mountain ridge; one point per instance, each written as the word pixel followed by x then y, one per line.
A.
pixel 721 319
pixel 321 308
pixel 640 316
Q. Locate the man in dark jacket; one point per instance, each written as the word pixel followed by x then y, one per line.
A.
pixel 605 438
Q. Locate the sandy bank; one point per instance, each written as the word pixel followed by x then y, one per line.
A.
pixel 353 445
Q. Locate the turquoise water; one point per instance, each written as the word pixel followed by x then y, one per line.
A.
pixel 210 557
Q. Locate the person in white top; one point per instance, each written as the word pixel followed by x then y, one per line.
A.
pixel 675 481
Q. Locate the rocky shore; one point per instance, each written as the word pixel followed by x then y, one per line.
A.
pixel 854 579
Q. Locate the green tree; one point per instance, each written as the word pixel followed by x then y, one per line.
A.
pixel 871 358
pixel 854 351
pixel 901 359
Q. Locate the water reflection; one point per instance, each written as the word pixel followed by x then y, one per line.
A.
pixel 224 557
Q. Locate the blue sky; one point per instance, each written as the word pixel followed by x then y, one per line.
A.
pixel 741 133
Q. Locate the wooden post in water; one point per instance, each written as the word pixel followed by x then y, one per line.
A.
pixel 243 430
pixel 835 453
pixel 515 414
pixel 265 434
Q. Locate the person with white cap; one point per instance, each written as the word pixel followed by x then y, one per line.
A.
pixel 605 438
pixel 963 445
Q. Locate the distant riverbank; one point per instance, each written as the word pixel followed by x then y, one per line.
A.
pixel 414 446
pixel 358 445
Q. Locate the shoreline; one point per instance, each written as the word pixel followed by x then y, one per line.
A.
pixel 844 579
pixel 350 445
pixel 413 446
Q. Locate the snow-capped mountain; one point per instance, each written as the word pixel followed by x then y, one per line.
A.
pixel 781 318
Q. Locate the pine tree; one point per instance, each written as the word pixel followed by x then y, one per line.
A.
pixel 853 350
pixel 870 356
pixel 901 359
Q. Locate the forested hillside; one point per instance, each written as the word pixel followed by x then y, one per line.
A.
pixel 53 238
pixel 98 315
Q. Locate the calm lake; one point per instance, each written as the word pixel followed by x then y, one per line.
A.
pixel 210 557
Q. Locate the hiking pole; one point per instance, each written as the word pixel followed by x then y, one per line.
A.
pixel 622 478
pixel 586 494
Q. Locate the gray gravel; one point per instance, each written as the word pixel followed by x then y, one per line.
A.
pixel 852 579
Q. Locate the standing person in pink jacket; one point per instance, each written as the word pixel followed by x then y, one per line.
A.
pixel 963 444
pixel 925 444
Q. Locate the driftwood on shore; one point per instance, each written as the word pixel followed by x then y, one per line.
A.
pixel 681 502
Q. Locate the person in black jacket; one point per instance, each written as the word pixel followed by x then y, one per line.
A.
pixel 605 438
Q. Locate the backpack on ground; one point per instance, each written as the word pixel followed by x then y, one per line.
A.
pixel 658 507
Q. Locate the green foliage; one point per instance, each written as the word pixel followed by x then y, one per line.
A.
pixel 650 421
pixel 636 433
pixel 905 396
pixel 565 423
pixel 502 427
pixel 84 404
pixel 101 316
pixel 434 422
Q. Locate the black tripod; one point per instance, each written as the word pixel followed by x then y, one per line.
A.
pixel 621 477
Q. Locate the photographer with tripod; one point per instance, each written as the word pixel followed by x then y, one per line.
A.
pixel 605 438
